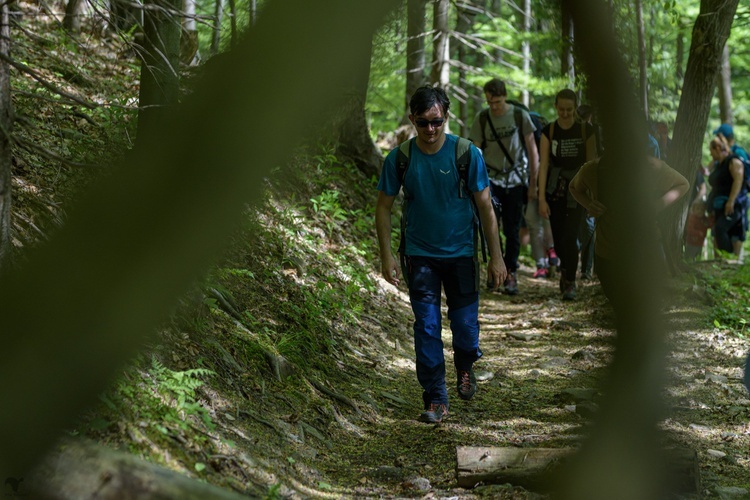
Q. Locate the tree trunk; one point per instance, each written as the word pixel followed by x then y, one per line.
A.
pixel 415 54
pixel 72 19
pixel 160 60
pixel 710 34
pixel 253 12
pixel 567 60
pixel 463 25
pixel 725 88
pixel 440 47
pixel 6 130
pixel 526 49
pixel 642 63
pixel 679 59
pixel 354 141
pixel 530 468
pixel 124 14
pixel 216 32
pixel 232 23
pixel 189 37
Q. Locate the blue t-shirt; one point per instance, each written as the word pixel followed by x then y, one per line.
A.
pixel 438 222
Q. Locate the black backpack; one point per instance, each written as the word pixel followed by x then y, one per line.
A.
pixel 538 120
pixel 463 160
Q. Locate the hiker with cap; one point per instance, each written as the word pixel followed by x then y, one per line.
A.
pixel 446 190
pixel 728 197
pixel 727 131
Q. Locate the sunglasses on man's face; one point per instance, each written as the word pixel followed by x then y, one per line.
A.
pixel 423 123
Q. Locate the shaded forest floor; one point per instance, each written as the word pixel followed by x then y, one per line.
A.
pixel 288 372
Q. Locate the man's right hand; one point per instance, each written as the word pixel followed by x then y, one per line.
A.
pixel 391 271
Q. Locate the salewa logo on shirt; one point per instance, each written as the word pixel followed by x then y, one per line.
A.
pixel 444 172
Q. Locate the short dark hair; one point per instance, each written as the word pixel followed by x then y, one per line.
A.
pixel 567 94
pixel 495 87
pixel 426 97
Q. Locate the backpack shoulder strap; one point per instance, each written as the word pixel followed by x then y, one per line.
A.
pixel 402 159
pixel 483 117
pixel 463 160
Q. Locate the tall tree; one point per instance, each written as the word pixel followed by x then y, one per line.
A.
pixel 6 127
pixel 160 62
pixel 710 34
pixel 189 38
pixel 72 19
pixel 216 27
pixel 725 88
pixel 642 61
pixel 526 47
pixel 464 21
pixel 415 52
pixel 440 47
pixel 567 60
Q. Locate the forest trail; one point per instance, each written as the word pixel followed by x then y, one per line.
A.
pixel 536 348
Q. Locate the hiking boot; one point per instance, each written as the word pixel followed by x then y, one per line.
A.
pixel 569 293
pixel 541 272
pixel 434 414
pixel 511 284
pixel 586 276
pixel 466 384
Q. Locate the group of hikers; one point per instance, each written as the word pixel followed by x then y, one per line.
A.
pixel 457 191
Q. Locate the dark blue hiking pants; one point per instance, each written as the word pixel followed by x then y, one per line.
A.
pixel 458 278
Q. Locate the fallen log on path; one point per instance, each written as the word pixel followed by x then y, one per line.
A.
pixel 534 468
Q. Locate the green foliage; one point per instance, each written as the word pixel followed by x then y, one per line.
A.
pixel 731 296
pixel 162 397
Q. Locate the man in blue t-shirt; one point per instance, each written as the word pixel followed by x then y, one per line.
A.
pixel 439 247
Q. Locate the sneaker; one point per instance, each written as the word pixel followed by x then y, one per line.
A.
pixel 511 284
pixel 541 272
pixel 434 414
pixel 466 383
pixel 552 258
pixel 586 276
pixel 569 293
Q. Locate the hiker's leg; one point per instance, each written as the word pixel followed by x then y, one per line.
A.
pixel 568 251
pixel 723 230
pixel 424 294
pixel 512 201
pixel 463 310
pixel 586 240
pixel 536 232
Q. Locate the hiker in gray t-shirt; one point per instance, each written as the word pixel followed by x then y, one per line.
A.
pixel 505 133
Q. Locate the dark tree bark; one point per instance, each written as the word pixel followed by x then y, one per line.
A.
pixel 125 14
pixel 710 34
pixel 160 62
pixel 567 59
pixel 725 88
pixel 679 58
pixel 6 128
pixel 415 53
pixel 72 19
pixel 354 141
pixel 642 60
pixel 216 38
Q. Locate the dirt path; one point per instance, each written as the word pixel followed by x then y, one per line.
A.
pixel 535 347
